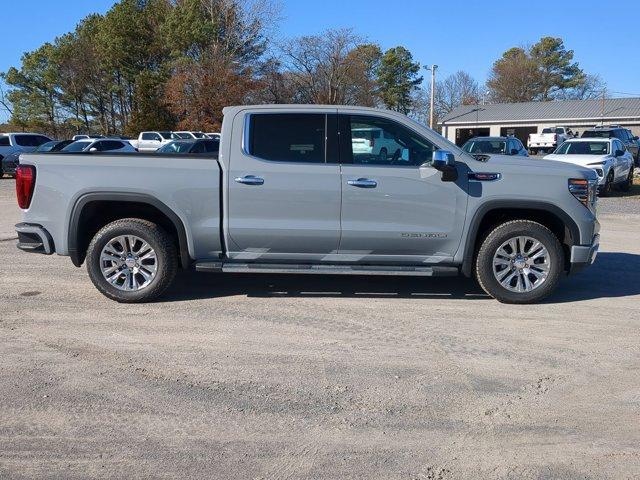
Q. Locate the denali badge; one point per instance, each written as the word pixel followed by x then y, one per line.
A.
pixel 423 235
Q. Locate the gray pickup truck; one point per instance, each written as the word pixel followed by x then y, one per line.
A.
pixel 312 189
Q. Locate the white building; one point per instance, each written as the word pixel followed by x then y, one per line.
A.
pixel 521 119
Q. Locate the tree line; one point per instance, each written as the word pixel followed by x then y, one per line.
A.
pixel 174 64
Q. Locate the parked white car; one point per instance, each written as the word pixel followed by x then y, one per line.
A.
pixel 374 143
pixel 83 136
pixel 184 135
pixel 608 157
pixel 152 141
pixel 549 139
pixel 213 136
pixel 99 145
pixel 20 142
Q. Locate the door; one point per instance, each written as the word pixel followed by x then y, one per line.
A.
pixel 284 186
pixel 464 134
pixel 620 161
pixel 397 208
pixel 150 141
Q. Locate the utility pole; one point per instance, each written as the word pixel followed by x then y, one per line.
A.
pixel 604 90
pixel 433 92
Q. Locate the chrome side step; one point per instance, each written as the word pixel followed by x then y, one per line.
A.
pixel 434 271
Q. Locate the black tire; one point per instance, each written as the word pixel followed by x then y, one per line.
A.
pixel 496 238
pixel 607 188
pixel 384 155
pixel 156 237
pixel 626 185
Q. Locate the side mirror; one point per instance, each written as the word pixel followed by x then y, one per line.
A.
pixel 636 138
pixel 514 151
pixel 619 153
pixel 93 149
pixel 445 162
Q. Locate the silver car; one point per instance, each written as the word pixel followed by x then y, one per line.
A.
pixel 100 145
pixel 495 146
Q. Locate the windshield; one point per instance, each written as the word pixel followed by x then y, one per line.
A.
pixel 583 148
pixel 167 135
pixel 183 135
pixel 46 147
pixel 199 135
pixel 176 147
pixel 485 146
pixel 76 147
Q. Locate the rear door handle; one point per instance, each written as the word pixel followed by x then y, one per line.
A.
pixel 363 183
pixel 250 180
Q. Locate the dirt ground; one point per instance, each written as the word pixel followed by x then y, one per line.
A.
pixel 292 377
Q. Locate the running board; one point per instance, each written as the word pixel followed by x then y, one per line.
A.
pixel 435 271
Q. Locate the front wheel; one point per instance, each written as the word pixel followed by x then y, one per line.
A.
pixel 626 185
pixel 519 262
pixel 132 260
pixel 607 188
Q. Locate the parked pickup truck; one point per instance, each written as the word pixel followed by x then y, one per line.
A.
pixel 152 141
pixel 289 193
pixel 548 140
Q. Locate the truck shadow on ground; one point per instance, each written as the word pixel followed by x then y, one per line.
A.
pixel 613 275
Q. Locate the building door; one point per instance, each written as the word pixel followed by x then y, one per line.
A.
pixel 464 134
pixel 521 133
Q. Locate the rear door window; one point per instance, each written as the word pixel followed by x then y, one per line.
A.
pixel 288 137
pixel 211 146
pixel 4 142
pixel 197 148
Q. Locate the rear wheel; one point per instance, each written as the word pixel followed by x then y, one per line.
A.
pixel 132 260
pixel 519 262
pixel 384 155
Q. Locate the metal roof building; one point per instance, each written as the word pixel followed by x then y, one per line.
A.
pixel 521 119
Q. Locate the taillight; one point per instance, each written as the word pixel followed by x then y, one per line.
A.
pixel 25 184
pixel 555 137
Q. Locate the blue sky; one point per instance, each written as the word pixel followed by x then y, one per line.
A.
pixel 456 35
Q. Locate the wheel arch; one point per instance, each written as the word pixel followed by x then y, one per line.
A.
pixel 84 224
pixel 496 212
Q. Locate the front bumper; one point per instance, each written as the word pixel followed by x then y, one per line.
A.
pixel 34 239
pixel 584 255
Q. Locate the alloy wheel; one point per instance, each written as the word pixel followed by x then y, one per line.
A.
pixel 521 264
pixel 128 263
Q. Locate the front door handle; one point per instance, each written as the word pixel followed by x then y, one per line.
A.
pixel 363 183
pixel 250 180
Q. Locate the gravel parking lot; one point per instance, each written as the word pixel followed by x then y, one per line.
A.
pixel 308 377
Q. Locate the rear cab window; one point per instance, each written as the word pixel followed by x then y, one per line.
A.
pixel 288 137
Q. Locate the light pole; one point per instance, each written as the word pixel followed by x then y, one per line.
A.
pixel 432 68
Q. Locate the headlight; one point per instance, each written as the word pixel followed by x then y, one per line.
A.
pixel 584 190
pixel 597 163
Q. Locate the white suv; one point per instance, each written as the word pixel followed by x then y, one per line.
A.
pixel 374 142
pixel 608 157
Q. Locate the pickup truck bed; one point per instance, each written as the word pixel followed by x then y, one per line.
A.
pixel 188 188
